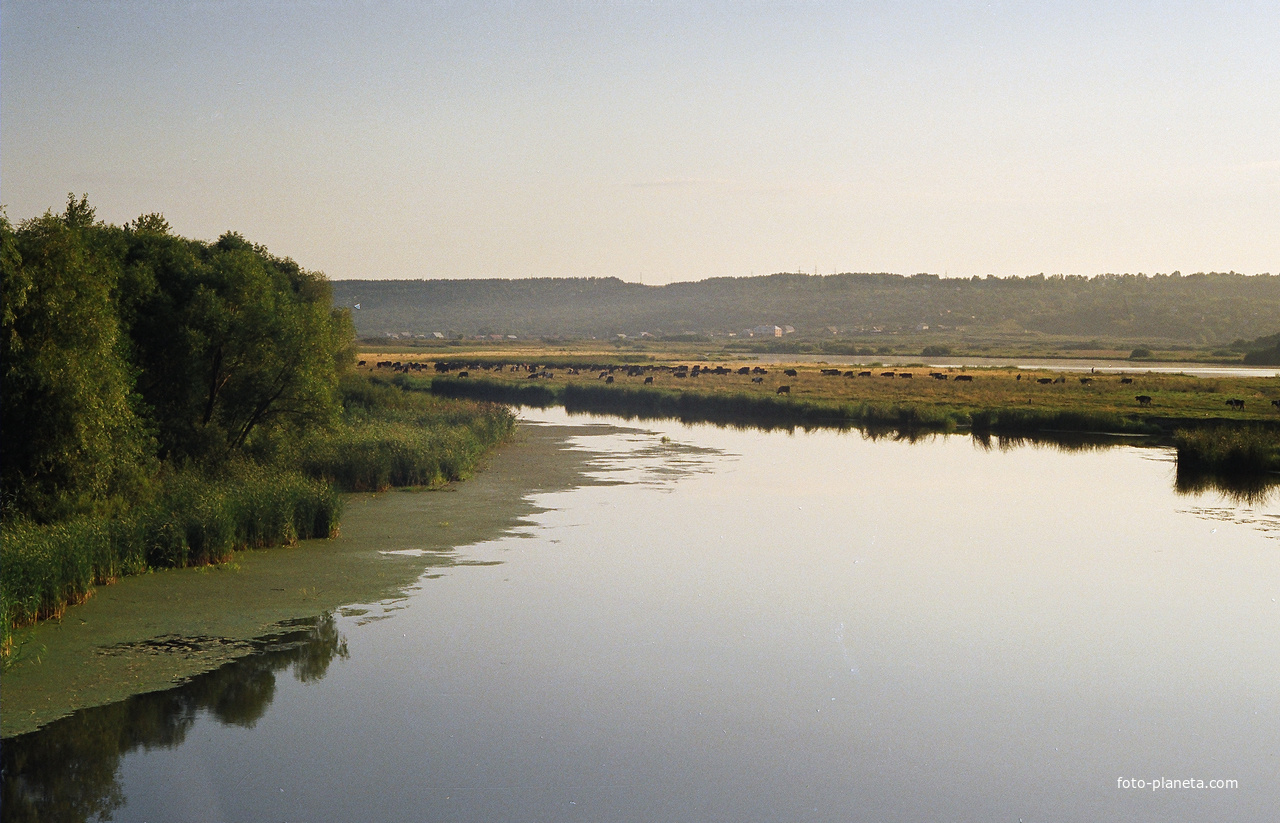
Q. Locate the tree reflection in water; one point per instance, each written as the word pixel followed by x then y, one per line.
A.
pixel 1242 488
pixel 68 770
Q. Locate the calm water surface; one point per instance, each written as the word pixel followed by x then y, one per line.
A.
pixel 744 626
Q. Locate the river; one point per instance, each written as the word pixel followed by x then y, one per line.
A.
pixel 732 625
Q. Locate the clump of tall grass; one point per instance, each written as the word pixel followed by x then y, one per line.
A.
pixel 1233 449
pixel 393 435
pixel 1064 420
pixel 192 519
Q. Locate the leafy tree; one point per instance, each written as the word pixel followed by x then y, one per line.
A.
pixel 72 435
pixel 232 341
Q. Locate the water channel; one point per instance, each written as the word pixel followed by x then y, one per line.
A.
pixel 732 625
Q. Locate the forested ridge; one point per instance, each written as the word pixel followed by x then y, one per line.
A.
pixel 1210 309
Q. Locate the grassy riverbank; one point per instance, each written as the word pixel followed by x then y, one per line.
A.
pixel 906 398
pixel 388 435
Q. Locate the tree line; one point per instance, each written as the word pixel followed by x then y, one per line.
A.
pixel 1201 308
pixel 126 346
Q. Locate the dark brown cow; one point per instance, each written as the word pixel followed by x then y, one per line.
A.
pixel 1084 381
pixel 864 374
pixel 830 372
pixel 1236 404
pixel 888 374
pixel 1126 380
pixel 791 373
pixel 1143 400
pixel 648 380
pixel 1044 381
pixel 609 379
pixel 906 374
pixel 1276 403
pixel 783 390
pixel 964 378
pixel 744 370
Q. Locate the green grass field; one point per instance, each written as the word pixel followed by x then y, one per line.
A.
pixel 990 394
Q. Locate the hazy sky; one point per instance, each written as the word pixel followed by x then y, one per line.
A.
pixel 661 141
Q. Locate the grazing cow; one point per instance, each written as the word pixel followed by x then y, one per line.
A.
pixel 1044 381
pixel 361 363
pixel 1276 403
pixel 848 374
pixel 464 374
pixel 864 374
pixel 783 390
pixel 906 374
pixel 965 378
pixel 1144 400
pixel 682 374
pixel 1126 380
pixel 887 374
pixel 609 379
pixel 648 380
pixel 603 375
pixel 1084 381
pixel 791 373
pixel 532 377
pixel 1236 404
pixel 757 380
pixel 1019 377
pixel 758 370
pixel 744 370
pixel 830 372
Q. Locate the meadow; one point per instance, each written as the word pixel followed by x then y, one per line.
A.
pixel 992 398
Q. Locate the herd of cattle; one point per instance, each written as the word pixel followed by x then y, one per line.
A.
pixel 607 372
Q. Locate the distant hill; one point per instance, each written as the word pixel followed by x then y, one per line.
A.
pixel 1211 309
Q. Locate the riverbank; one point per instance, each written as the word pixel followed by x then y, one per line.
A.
pixel 191 515
pixel 152 631
pixel 903 398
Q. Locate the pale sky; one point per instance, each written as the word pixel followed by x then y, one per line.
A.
pixel 661 141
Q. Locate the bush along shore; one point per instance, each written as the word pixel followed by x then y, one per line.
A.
pixel 168 401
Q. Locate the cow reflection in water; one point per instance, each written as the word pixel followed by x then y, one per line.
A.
pixel 68 770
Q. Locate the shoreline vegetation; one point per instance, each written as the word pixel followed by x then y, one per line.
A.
pixel 167 402
pixel 1227 426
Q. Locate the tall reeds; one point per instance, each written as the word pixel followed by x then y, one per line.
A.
pixel 1253 449
pixel 192 520
pixel 390 435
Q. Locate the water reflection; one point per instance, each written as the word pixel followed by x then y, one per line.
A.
pixel 69 770
pixel 1243 488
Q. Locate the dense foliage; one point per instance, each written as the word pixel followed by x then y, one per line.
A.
pixel 167 401
pixel 126 344
pixel 1198 308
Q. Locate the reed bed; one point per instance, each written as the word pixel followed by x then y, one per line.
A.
pixel 1245 449
pixel 390 435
